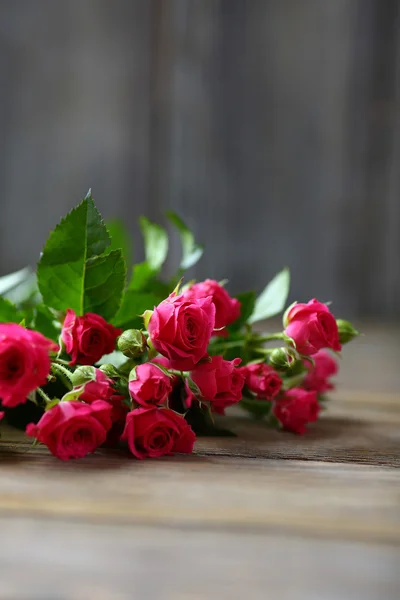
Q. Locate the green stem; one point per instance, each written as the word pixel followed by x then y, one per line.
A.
pixel 64 373
pixel 43 394
pixel 60 361
pixel 270 337
pixel 265 351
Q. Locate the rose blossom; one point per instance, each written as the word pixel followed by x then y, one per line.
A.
pixel 181 329
pixel 101 387
pixel 219 381
pixel 73 429
pixel 148 384
pixel 154 432
pixel 317 378
pixel 296 408
pixel 24 362
pixel 1 414
pixel 262 380
pixel 227 309
pixel 87 338
pixel 312 327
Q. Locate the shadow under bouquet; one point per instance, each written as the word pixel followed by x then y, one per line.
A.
pixel 90 357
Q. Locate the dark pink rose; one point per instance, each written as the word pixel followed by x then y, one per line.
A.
pixel 219 382
pixel 1 414
pixel 88 338
pixel 227 309
pixel 164 362
pixel 102 387
pixel 296 408
pixel 73 429
pixel 181 329
pixel 312 327
pixel 24 362
pixel 154 432
pixel 262 380
pixel 149 385
pixel 317 378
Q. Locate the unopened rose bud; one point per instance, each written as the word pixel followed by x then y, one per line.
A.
pixel 109 370
pixel 346 331
pixel 132 343
pixel 281 359
pixel 82 375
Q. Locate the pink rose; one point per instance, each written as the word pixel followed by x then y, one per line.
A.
pixel 155 432
pixel 101 387
pixel 149 385
pixel 227 309
pixel 219 382
pixel 262 380
pixel 312 327
pixel 181 329
pixel 317 378
pixel 73 429
pixel 296 408
pixel 1 414
pixel 164 362
pixel 88 338
pixel 24 362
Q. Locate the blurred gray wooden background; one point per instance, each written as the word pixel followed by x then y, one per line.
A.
pixel 271 126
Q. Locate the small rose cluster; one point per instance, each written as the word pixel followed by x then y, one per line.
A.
pixel 181 360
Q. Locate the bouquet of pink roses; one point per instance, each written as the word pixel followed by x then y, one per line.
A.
pixel 108 360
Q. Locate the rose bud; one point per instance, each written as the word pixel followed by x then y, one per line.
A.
pixel 88 338
pixel 296 408
pixel 91 384
pixel 346 331
pixel 149 384
pixel 227 309
pixel 317 378
pixel 219 381
pixel 132 343
pixel 312 327
pixel 73 429
pixel 155 432
pixel 281 359
pixel 262 380
pixel 24 362
pixel 181 329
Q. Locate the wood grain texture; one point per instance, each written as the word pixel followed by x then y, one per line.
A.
pixel 265 515
pixel 46 559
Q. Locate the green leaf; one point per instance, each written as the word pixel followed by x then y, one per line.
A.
pixel 142 274
pixel 155 243
pixel 45 323
pixel 8 312
pixel 257 408
pixel 105 282
pixel 273 299
pixel 20 288
pixel 247 301
pixel 120 238
pixel 13 280
pixel 134 304
pixel 191 252
pixel 72 273
pixel 201 421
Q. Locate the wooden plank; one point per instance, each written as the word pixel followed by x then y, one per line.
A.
pixel 58 560
pixel 335 501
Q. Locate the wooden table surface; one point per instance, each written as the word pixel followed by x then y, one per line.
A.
pixel 266 515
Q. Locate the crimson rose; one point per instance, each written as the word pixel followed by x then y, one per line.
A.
pixel 154 432
pixel 88 338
